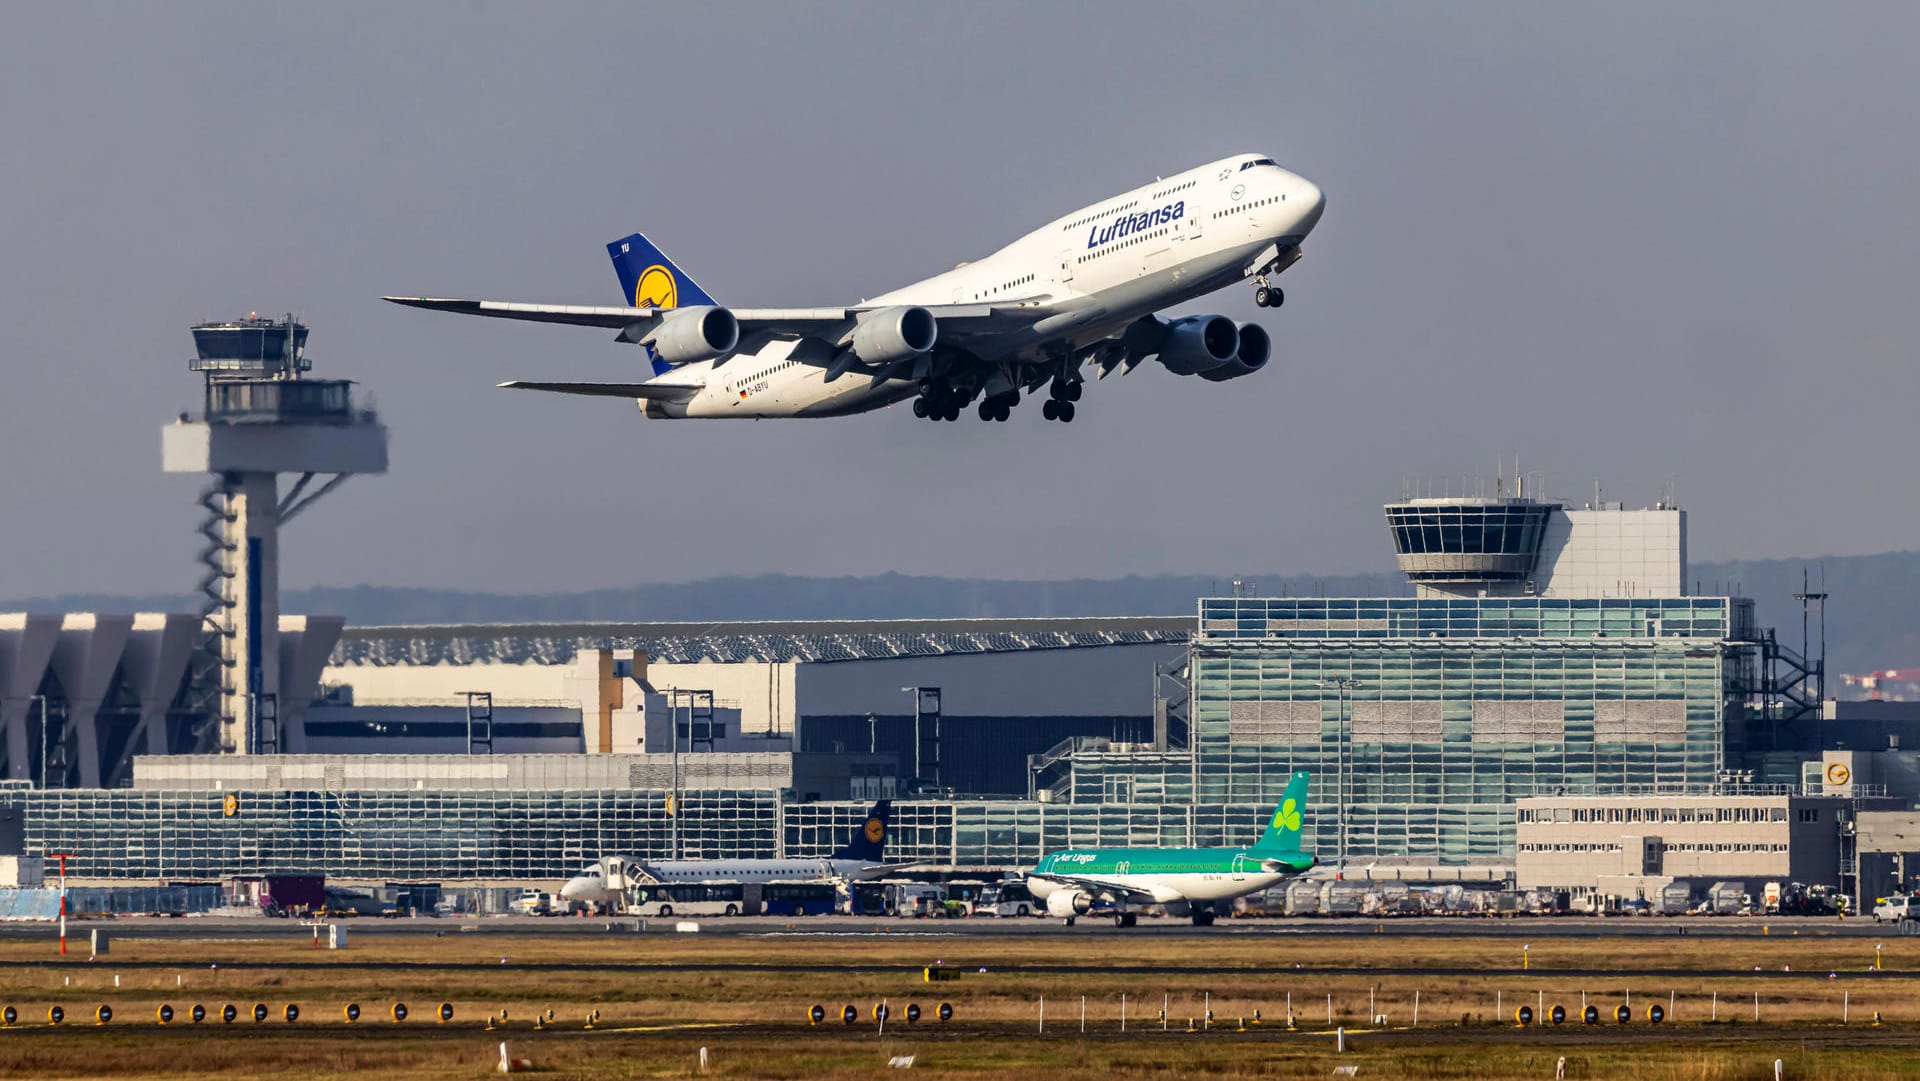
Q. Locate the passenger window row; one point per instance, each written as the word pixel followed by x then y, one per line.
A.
pixel 1249 206
pixel 1098 214
pixel 1117 245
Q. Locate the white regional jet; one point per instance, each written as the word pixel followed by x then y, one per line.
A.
pixel 1078 292
pixel 862 856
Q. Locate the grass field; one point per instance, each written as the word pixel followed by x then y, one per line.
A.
pixel 661 998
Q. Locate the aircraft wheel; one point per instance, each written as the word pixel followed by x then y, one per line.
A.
pixel 919 407
pixel 1070 921
pixel 986 410
pixel 1066 412
pixel 1275 297
pixel 1050 409
pixel 1262 297
pixel 1203 919
pixel 1004 412
pixel 1073 391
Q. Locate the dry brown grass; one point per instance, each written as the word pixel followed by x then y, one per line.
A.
pixel 662 997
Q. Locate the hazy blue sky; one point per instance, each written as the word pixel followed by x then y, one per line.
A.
pixel 1624 242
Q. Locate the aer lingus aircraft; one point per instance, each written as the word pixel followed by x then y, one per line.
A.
pixel 1079 292
pixel 1185 881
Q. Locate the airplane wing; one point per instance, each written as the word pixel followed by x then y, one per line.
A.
pixel 1004 326
pixel 1119 891
pixel 665 392
pixel 796 321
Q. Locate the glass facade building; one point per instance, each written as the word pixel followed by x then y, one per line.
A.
pixel 1433 715
pixel 525 836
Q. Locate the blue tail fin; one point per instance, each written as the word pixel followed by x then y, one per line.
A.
pixel 869 840
pixel 649 279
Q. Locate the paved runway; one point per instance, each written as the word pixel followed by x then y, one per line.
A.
pixel 240 928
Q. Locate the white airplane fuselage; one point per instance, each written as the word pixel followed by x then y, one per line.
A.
pixel 590 884
pixel 1122 258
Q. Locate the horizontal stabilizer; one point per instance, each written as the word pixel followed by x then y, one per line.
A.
pixel 660 392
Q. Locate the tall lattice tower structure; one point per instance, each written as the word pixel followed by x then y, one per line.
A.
pixel 262 416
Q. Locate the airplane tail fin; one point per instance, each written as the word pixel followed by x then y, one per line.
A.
pixel 1283 831
pixel 869 840
pixel 649 279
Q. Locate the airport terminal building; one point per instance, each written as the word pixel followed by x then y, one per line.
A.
pixel 1547 652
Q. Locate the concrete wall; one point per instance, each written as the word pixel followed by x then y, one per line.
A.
pixel 493 773
pixel 1614 553
pixel 1784 838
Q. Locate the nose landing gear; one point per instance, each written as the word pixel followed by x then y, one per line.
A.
pixel 1267 296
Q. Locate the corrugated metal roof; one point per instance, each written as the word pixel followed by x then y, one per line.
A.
pixel 813 641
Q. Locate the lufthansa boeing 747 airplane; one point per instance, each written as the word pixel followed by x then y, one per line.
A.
pixel 1078 294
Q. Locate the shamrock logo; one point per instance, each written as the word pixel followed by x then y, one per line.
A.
pixel 1288 816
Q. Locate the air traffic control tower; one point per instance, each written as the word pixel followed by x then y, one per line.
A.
pixel 262 417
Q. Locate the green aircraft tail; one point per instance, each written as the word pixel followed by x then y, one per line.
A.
pixel 1283 832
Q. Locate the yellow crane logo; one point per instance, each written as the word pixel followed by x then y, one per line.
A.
pixel 656 288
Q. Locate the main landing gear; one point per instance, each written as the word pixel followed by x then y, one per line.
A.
pixel 1267 296
pixel 1125 919
pixel 999 407
pixel 1061 394
pixel 938 402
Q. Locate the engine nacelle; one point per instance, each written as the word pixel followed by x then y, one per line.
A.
pixel 700 332
pixel 1067 903
pixel 889 335
pixel 1199 343
pixel 1255 348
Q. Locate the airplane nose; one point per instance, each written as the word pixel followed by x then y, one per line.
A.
pixel 1314 200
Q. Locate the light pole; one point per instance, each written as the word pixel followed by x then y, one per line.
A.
pixel 926 701
pixel 42 699
pixel 1341 685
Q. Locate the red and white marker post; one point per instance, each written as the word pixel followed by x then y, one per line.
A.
pixel 62 857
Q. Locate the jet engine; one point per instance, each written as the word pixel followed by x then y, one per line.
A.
pixel 1199 343
pixel 1251 356
pixel 701 332
pixel 1067 903
pixel 890 335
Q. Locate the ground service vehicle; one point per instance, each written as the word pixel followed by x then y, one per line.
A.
pixel 532 903
pixel 668 899
pixel 1009 898
pixel 1895 909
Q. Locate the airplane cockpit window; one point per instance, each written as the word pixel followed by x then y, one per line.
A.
pixel 1245 165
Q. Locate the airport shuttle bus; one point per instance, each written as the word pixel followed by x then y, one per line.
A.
pixel 1009 898
pixel 671 899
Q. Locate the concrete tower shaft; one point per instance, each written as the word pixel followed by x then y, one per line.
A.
pixel 262 417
